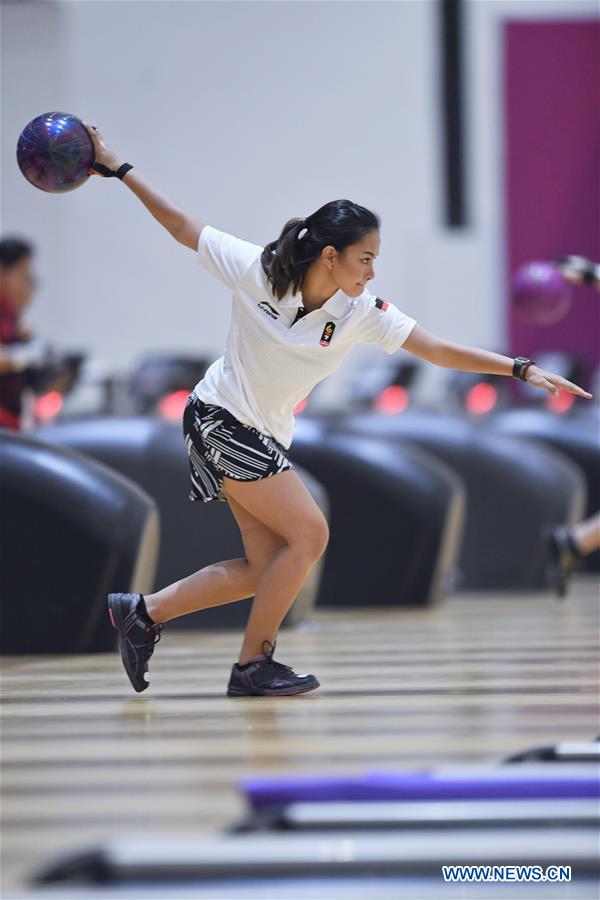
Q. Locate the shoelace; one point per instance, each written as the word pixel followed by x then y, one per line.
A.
pixel 156 630
pixel 279 667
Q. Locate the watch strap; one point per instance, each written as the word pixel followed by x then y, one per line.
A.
pixel 520 367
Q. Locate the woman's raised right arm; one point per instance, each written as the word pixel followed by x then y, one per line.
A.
pixel 182 227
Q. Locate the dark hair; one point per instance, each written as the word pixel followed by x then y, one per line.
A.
pixel 13 250
pixel 337 224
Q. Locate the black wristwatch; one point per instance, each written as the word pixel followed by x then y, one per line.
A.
pixel 520 366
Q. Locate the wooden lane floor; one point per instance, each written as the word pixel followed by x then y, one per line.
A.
pixel 463 684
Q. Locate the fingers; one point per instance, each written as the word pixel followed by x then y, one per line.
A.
pixel 554 384
pixel 101 151
pixel 561 384
pixel 93 132
pixel 571 388
pixel 94 135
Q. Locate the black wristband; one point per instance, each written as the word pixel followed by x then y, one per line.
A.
pixel 122 170
pixel 520 366
pixel 108 173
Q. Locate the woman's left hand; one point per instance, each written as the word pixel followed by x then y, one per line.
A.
pixel 552 383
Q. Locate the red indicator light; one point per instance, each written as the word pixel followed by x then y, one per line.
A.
pixel 560 403
pixel 481 398
pixel 172 406
pixel 394 399
pixel 47 406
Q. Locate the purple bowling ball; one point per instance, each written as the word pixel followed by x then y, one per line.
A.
pixel 54 152
pixel 541 296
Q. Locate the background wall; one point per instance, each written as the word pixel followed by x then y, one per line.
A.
pixel 553 168
pixel 246 113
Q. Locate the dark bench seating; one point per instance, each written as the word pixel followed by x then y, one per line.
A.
pixel 72 531
pixel 396 518
pixel 576 435
pixel 516 490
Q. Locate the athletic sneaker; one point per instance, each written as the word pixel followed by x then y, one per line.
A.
pixel 137 636
pixel 263 677
pixel 560 560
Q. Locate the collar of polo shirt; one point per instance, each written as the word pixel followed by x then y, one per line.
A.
pixel 336 306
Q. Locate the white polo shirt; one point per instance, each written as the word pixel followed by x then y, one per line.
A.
pixel 271 363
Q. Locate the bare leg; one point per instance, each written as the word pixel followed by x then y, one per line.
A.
pixel 276 591
pixel 283 505
pixel 276 563
pixel 221 582
pixel 586 535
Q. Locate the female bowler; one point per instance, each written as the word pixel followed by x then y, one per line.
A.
pixel 299 305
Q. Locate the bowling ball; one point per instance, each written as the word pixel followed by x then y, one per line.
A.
pixel 540 294
pixel 54 152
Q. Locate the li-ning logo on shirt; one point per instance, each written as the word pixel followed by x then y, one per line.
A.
pixel 327 334
pixel 268 309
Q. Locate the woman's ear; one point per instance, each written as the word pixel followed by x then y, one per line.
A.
pixel 329 254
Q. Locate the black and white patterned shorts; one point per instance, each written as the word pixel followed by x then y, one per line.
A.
pixel 218 444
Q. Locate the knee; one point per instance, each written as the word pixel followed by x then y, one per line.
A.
pixel 311 540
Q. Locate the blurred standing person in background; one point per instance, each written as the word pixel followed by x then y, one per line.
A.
pixel 27 365
pixel 17 350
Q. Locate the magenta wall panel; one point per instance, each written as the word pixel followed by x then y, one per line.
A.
pixel 552 175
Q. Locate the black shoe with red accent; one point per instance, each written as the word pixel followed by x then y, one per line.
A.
pixel 263 677
pixel 137 636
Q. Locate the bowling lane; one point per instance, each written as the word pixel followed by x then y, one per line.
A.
pixel 463 684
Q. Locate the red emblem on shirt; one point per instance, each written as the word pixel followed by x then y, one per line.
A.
pixel 381 304
pixel 327 334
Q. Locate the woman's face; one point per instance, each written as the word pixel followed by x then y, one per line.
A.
pixel 18 283
pixel 352 268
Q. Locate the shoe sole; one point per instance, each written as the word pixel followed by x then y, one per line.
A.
pixel 116 618
pixel 236 693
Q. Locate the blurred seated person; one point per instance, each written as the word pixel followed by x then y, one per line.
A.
pixel 579 270
pixel 566 547
pixel 26 365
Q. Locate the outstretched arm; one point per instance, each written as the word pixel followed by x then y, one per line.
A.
pixel 470 359
pixel 183 228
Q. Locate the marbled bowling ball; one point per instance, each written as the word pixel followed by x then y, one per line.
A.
pixel 54 152
pixel 540 294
